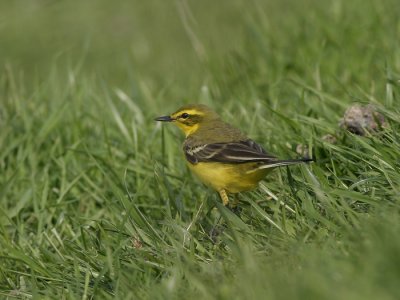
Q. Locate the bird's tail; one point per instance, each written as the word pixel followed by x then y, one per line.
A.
pixel 279 163
pixel 287 162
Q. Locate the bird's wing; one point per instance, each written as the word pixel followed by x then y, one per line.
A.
pixel 232 152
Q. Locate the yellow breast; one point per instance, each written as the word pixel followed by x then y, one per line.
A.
pixel 233 178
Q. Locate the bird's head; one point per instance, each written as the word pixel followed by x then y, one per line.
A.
pixel 190 117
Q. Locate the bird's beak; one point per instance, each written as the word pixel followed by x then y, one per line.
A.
pixel 164 119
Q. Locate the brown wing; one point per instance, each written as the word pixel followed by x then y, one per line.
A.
pixel 232 152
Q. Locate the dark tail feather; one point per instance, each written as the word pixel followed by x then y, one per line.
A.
pixel 286 162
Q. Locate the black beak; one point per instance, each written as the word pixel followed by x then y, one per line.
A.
pixel 164 119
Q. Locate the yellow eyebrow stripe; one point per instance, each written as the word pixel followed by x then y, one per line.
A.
pixel 188 111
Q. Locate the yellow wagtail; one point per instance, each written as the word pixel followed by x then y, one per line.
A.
pixel 220 154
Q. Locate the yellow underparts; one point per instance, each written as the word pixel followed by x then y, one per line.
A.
pixel 232 178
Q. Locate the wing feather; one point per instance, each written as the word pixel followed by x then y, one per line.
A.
pixel 232 152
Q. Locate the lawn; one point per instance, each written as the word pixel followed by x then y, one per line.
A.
pixel 96 200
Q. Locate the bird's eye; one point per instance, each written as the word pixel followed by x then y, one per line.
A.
pixel 184 115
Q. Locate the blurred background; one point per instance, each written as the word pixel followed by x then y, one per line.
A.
pixel 159 41
pixel 183 44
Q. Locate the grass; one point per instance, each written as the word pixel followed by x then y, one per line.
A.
pixel 96 200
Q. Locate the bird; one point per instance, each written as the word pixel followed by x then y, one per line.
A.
pixel 221 155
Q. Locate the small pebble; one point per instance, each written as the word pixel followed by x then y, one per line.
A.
pixel 360 119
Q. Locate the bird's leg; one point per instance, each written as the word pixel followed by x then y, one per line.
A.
pixel 224 197
pixel 233 206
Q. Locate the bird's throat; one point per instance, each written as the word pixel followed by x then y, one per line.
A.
pixel 188 130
